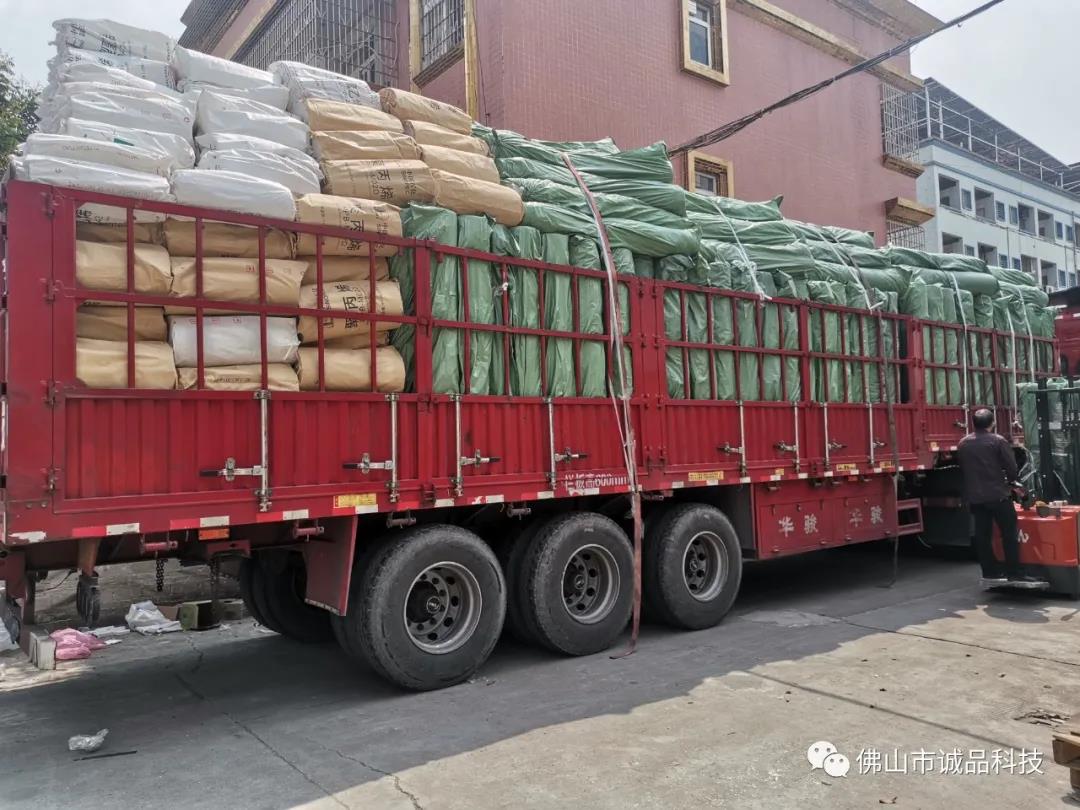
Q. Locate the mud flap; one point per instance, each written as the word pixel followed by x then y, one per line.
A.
pixel 328 560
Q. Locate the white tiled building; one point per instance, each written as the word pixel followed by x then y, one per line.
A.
pixel 997 195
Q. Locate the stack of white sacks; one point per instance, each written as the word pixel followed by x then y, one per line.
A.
pixel 125 112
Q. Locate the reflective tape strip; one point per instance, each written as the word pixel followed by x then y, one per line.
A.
pixel 29 537
pixel 804 475
pixel 776 477
pixel 585 491
pixel 494 498
pixel 295 514
pixel 744 480
pixel 828 473
pixel 365 510
pixel 546 495
pixel 213 522
pixel 678 484
pixel 441 503
pixel 114 529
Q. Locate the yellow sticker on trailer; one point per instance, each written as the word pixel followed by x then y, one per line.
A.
pixel 713 475
pixel 847 468
pixel 885 465
pixel 358 499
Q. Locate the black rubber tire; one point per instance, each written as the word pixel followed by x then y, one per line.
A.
pixel 343 628
pixel 254 574
pixel 512 556
pixel 665 589
pixel 546 616
pixel 282 590
pixel 378 622
pixel 244 576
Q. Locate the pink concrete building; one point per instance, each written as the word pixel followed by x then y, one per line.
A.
pixel 636 70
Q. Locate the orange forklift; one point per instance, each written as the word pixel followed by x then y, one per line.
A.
pixel 1048 516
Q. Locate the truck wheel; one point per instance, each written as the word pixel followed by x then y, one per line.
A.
pixel 692 566
pixel 578 583
pixel 430 607
pixel 252 593
pixel 343 628
pixel 512 556
pixel 282 585
pixel 246 592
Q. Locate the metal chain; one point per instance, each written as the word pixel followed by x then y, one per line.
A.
pixel 159 574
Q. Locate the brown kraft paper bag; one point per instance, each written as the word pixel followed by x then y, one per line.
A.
pixel 426 134
pixel 338 145
pixel 464 195
pixel 367 216
pixel 347 297
pixel 225 239
pixel 146 232
pixel 103 364
pixel 345 268
pixel 279 377
pixel 100 266
pixel 326 115
pixel 466 164
pixel 238 280
pixel 397 182
pixel 110 323
pixel 350 369
pixel 412 107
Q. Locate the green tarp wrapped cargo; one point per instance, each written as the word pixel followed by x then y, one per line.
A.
pixel 584 252
pixel 522 242
pixel 559 317
pixel 737 231
pixel 440 225
pixel 614 206
pixel 667 196
pixel 485 348
pixel 638 237
pixel 768 211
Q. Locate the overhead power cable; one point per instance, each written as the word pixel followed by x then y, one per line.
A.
pixel 739 124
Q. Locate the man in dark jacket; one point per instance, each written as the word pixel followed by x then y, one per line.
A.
pixel 989 468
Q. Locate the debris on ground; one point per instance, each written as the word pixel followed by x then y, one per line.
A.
pixel 6 642
pixel 1043 717
pixel 72 644
pixel 87 742
pixel 109 632
pixel 145 618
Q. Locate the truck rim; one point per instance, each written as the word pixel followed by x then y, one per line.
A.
pixel 704 566
pixel 442 608
pixel 590 584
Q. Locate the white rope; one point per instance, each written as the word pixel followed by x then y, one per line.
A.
pixel 1015 398
pixel 750 263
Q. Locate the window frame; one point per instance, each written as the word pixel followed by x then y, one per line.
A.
pixel 698 160
pixel 1014 215
pixel 422 74
pixel 1000 211
pixel 719 39
pixel 967 200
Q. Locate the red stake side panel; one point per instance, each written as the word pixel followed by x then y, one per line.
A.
pixel 82 462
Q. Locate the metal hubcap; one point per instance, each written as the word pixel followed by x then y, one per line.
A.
pixel 704 566
pixel 442 608
pixel 590 584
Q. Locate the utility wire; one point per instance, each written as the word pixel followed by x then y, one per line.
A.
pixel 739 124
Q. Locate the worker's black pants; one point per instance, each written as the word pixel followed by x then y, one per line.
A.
pixel 1004 515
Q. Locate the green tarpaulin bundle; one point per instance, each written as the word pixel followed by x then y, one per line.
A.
pixel 614 206
pixel 665 195
pixel 638 237
pixel 768 211
pixel 1061 463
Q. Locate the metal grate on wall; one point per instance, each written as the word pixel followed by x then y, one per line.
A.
pixel 352 37
pixel 442 26
pixel 902 234
pixel 900 123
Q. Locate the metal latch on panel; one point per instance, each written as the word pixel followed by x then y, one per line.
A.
pixel 230 471
pixel 784 447
pixel 570 455
pixel 365 465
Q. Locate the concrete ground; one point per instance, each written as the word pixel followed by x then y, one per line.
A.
pixel 817 649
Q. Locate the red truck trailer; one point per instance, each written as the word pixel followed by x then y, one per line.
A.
pixel 409 525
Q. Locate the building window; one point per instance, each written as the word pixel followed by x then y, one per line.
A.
pixel 948 192
pixel 1004 260
pixel 1014 215
pixel 1061 279
pixel 965 196
pixel 708 175
pixel 904 234
pixel 1059 230
pixel 1000 211
pixel 1072 279
pixel 439 25
pixel 1070 234
pixel 969 250
pixel 704 50
pixel 1016 263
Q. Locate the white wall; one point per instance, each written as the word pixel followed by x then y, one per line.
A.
pixel 1009 188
